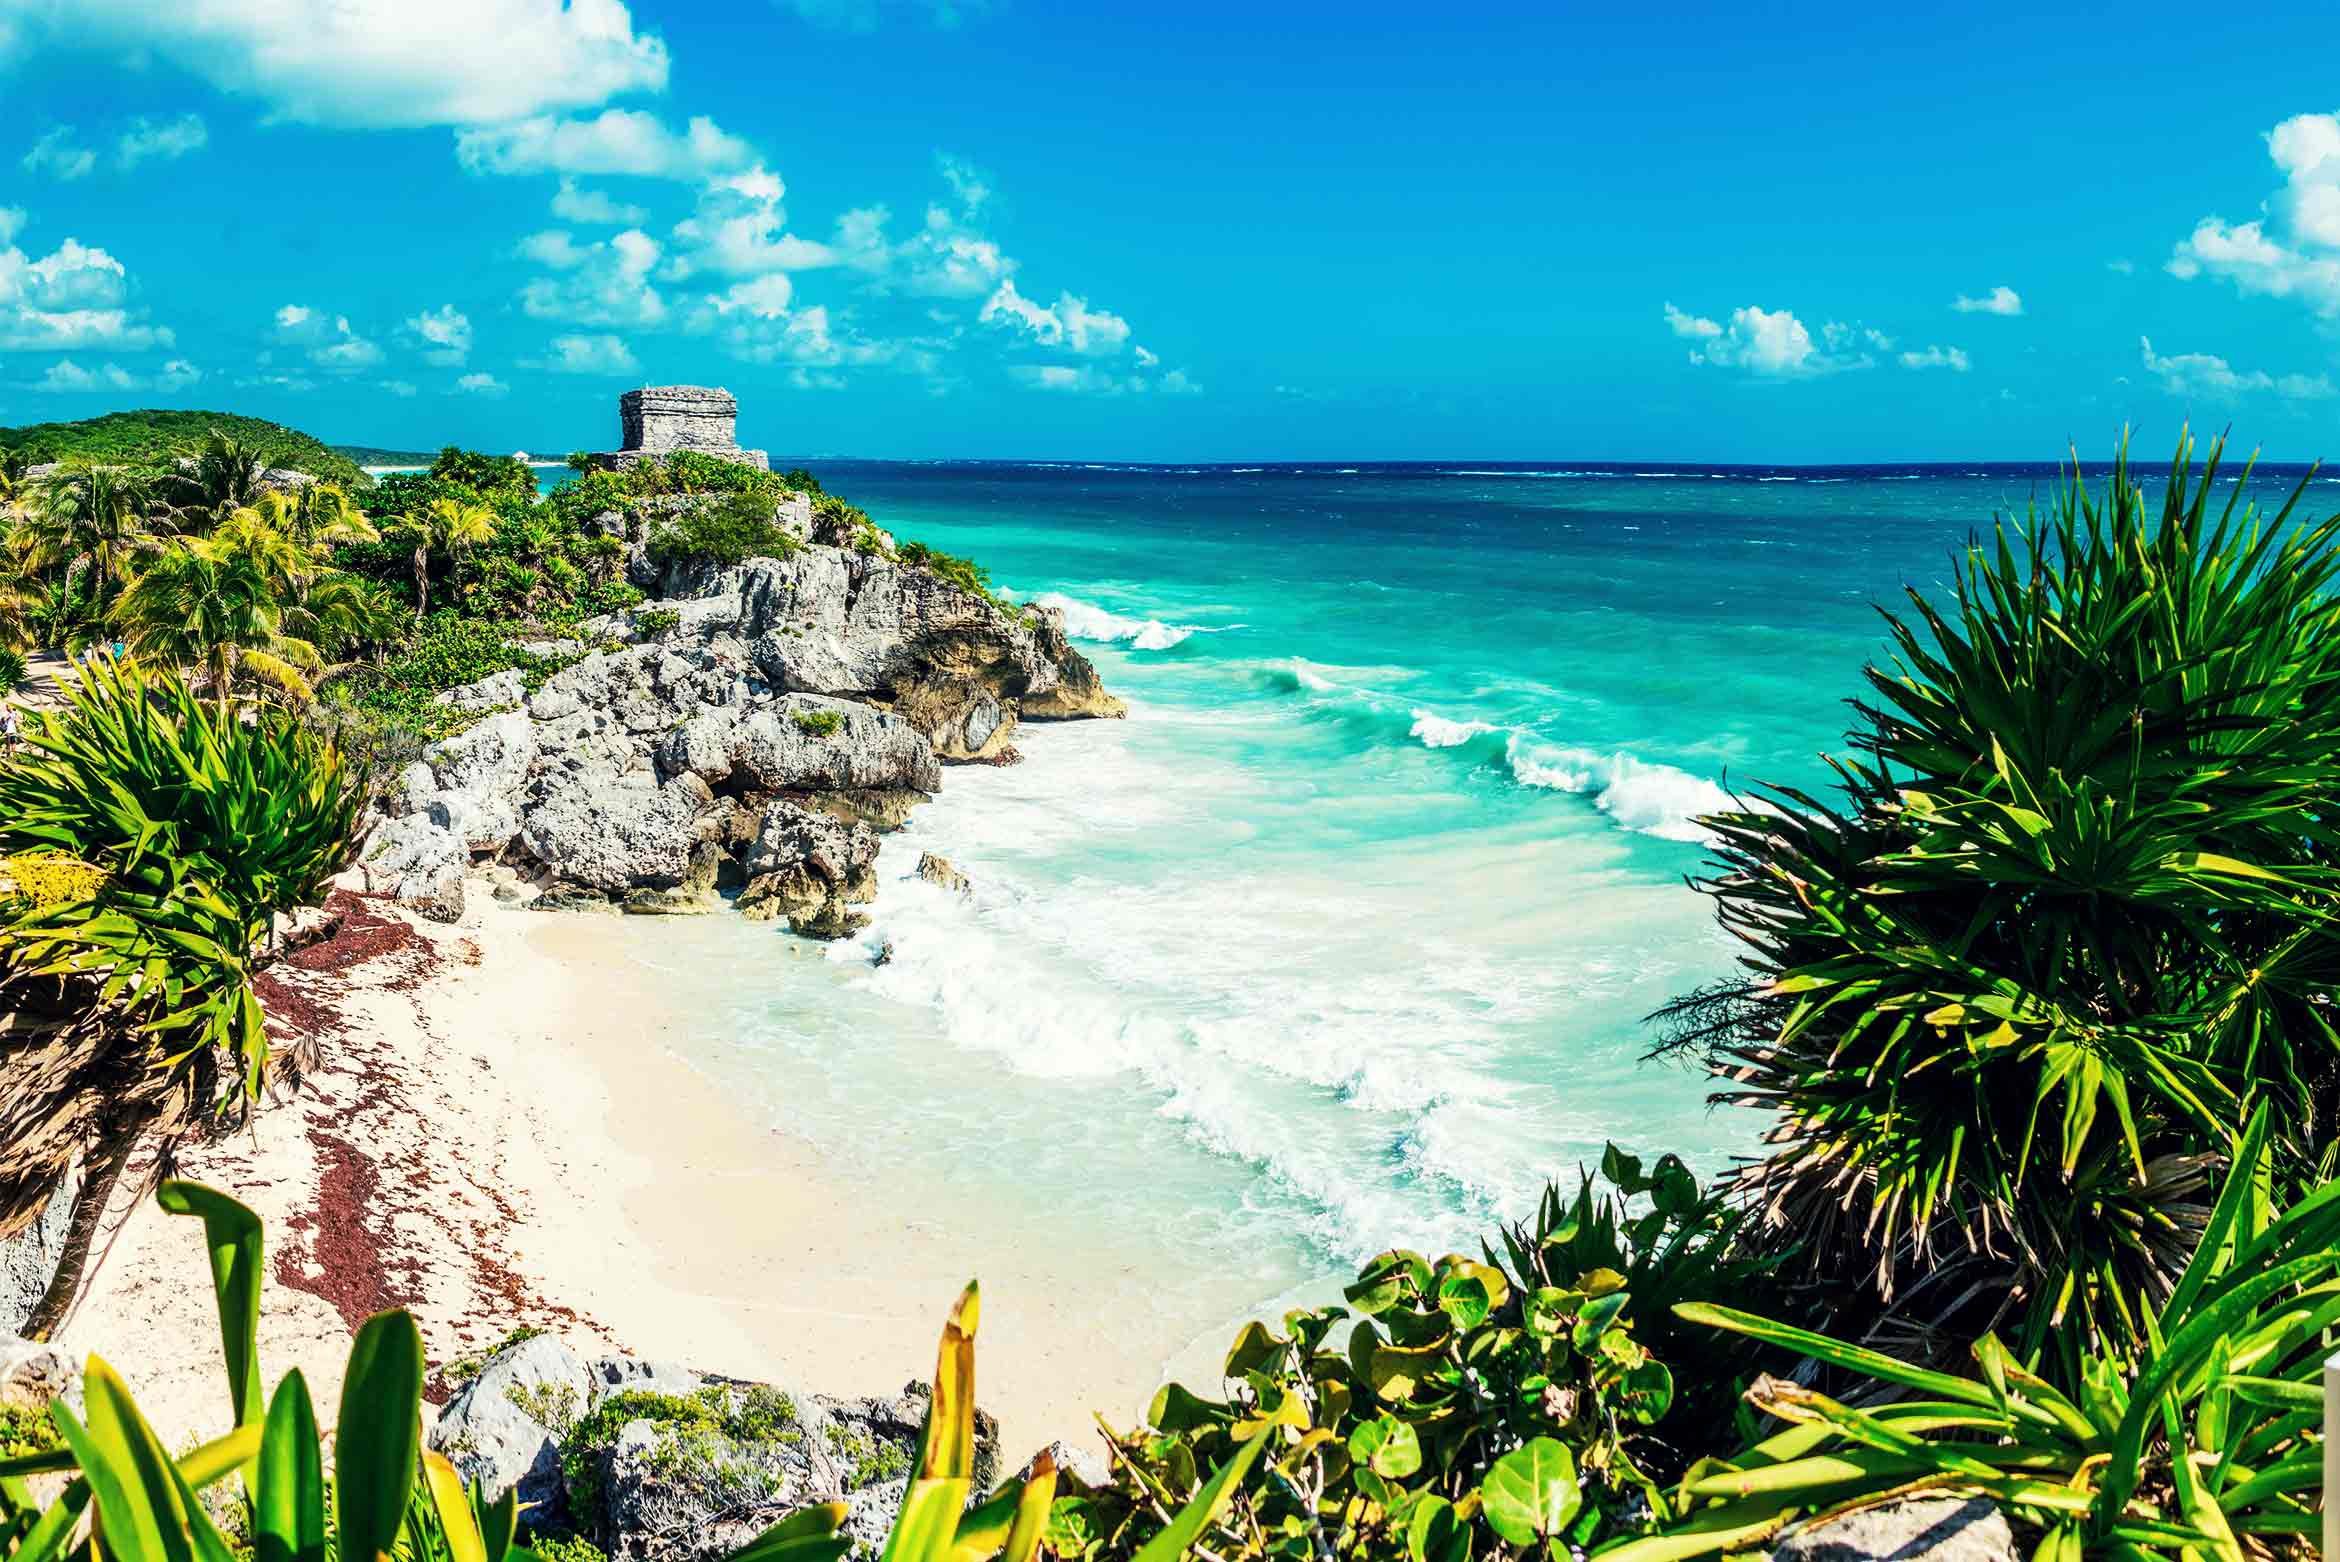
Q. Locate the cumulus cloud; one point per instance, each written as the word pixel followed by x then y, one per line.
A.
pixel 2301 257
pixel 1069 322
pixel 740 229
pixel 572 204
pixel 604 283
pixel 596 354
pixel 147 140
pixel 1771 343
pixel 615 141
pixel 402 389
pixel 59 156
pixel 1951 358
pixel 65 377
pixel 1090 379
pixel 481 384
pixel 328 341
pixel 374 63
pixel 76 296
pixel 2204 374
pixel 2001 300
pixel 443 334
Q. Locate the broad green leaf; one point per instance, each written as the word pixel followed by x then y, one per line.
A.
pixel 379 1435
pixel 1530 1494
pixel 288 1509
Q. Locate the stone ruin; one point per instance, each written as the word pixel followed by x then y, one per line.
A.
pixel 659 420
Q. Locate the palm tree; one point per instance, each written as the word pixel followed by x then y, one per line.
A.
pixel 318 516
pixel 446 526
pixel 228 475
pixel 93 522
pixel 218 603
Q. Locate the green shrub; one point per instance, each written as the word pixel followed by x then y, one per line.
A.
pixel 484 474
pixel 725 532
pixel 819 723
pixel 650 623
pixel 965 574
pixel 2196 1441
pixel 2067 916
pixel 448 653
pixel 12 670
pixel 1462 1387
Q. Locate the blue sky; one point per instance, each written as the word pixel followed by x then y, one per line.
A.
pixel 1005 228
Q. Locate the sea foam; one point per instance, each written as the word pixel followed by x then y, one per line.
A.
pixel 1087 621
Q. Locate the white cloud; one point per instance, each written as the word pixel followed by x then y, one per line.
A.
pixel 2121 267
pixel 572 204
pixel 606 282
pixel 739 230
pixel 444 335
pixel 65 377
pixel 374 63
pixel 481 384
pixel 2001 300
pixel 615 141
pixel 2203 374
pixel 600 354
pixel 59 156
pixel 160 141
pixel 1771 343
pixel 2302 260
pixel 1069 322
pixel 1952 358
pixel 1093 380
pixel 73 297
pixel 402 389
pixel 328 341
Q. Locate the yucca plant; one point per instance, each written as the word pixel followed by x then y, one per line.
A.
pixel 2199 1442
pixel 2067 917
pixel 123 1008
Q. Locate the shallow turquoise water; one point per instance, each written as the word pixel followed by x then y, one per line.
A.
pixel 1346 937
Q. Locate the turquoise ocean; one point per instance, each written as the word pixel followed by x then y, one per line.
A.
pixel 1346 937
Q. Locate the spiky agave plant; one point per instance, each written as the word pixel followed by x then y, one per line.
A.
pixel 2065 920
pixel 124 1007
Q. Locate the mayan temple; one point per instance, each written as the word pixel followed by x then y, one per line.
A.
pixel 659 420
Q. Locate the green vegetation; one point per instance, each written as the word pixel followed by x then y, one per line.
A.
pixel 739 527
pixel 386 1495
pixel 155 836
pixel 2194 1440
pixel 653 622
pixel 703 1434
pixel 2067 919
pixel 965 574
pixel 819 723
pixel 155 437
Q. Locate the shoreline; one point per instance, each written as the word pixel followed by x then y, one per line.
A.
pixel 502 1128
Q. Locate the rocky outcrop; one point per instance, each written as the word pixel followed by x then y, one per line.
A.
pixel 938 872
pixel 29 1259
pixel 652 1461
pixel 772 716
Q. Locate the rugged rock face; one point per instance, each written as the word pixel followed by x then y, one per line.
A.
pixel 773 717
pixel 682 1466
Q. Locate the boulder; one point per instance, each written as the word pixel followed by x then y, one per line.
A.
pixel 613 838
pixel 807 866
pixel 612 1374
pixel 806 743
pixel 35 1375
pixel 1913 1529
pixel 482 775
pixel 503 1428
pixel 499 691
pixel 939 872
pixel 418 863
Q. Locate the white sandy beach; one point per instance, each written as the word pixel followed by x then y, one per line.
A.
pixel 501 1132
